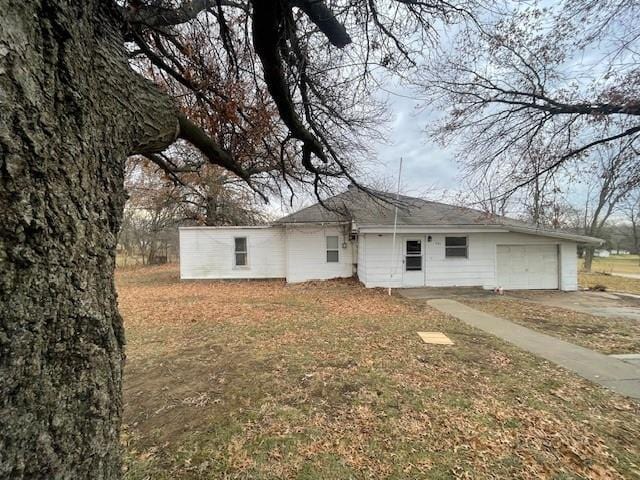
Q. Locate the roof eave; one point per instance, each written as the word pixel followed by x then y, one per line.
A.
pixel 494 227
pixel 313 222
pixel 561 235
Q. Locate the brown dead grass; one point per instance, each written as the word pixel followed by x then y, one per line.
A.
pixel 614 263
pixel 330 381
pixel 613 283
pixel 606 335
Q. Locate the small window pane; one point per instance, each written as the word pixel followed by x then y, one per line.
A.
pixel 414 246
pixel 241 244
pixel 455 241
pixel 456 251
pixel 332 256
pixel 241 259
pixel 414 263
pixel 332 243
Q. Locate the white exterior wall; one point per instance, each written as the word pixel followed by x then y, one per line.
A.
pixel 208 252
pixel 299 254
pixel 568 266
pixel 361 268
pixel 377 250
pixel 307 254
pixel 479 269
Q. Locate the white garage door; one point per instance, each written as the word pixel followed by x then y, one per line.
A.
pixel 528 266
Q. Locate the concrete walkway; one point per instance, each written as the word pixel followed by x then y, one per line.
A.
pixel 612 373
pixel 627 275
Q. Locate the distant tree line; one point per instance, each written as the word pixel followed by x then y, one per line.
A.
pixel 159 204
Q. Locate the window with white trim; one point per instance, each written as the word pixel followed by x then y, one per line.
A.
pixel 333 253
pixel 240 252
pixel 456 247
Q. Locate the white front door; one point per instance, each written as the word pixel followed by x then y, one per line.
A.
pixel 413 262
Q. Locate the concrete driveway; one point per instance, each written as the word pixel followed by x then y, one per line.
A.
pixel 627 275
pixel 605 304
pixel 613 373
pixel 620 373
pixel 427 293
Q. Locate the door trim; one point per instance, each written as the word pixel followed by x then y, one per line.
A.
pixel 423 263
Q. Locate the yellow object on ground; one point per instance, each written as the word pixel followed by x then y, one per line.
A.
pixel 437 338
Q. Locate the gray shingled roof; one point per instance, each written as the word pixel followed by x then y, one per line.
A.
pixel 357 206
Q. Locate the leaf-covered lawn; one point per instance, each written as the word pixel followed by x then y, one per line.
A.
pixel 606 335
pixel 330 381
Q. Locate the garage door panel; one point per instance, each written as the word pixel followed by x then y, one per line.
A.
pixel 527 266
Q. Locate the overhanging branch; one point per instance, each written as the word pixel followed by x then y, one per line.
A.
pixel 266 36
pixel 325 20
pixel 158 16
pixel 573 153
pixel 196 136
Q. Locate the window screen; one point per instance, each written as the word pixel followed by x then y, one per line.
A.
pixel 240 251
pixel 456 247
pixel 333 254
pixel 413 246
pixel 413 257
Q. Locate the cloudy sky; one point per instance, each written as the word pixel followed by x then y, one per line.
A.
pixel 428 169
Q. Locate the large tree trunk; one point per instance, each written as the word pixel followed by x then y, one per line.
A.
pixel 211 214
pixel 588 258
pixel 71 110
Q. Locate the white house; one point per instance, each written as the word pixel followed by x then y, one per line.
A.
pixel 435 245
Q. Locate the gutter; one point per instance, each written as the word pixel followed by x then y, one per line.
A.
pixel 551 233
pixel 473 228
pixel 228 227
pixel 342 222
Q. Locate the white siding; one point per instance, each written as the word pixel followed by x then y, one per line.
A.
pixel 479 269
pixel 568 266
pixel 299 254
pixel 307 253
pixel 379 259
pixel 361 268
pixel 208 252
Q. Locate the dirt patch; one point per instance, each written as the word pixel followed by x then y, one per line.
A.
pixel 330 380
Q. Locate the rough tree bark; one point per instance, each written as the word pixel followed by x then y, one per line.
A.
pixel 71 110
pixel 589 253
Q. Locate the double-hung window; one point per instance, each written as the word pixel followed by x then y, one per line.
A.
pixel 456 247
pixel 240 253
pixel 333 253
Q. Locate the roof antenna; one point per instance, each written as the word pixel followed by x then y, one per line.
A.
pixel 395 225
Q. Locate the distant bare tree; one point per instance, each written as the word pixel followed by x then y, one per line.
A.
pixel 152 213
pixel 613 177
pixel 633 214
pixel 482 191
pixel 541 87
